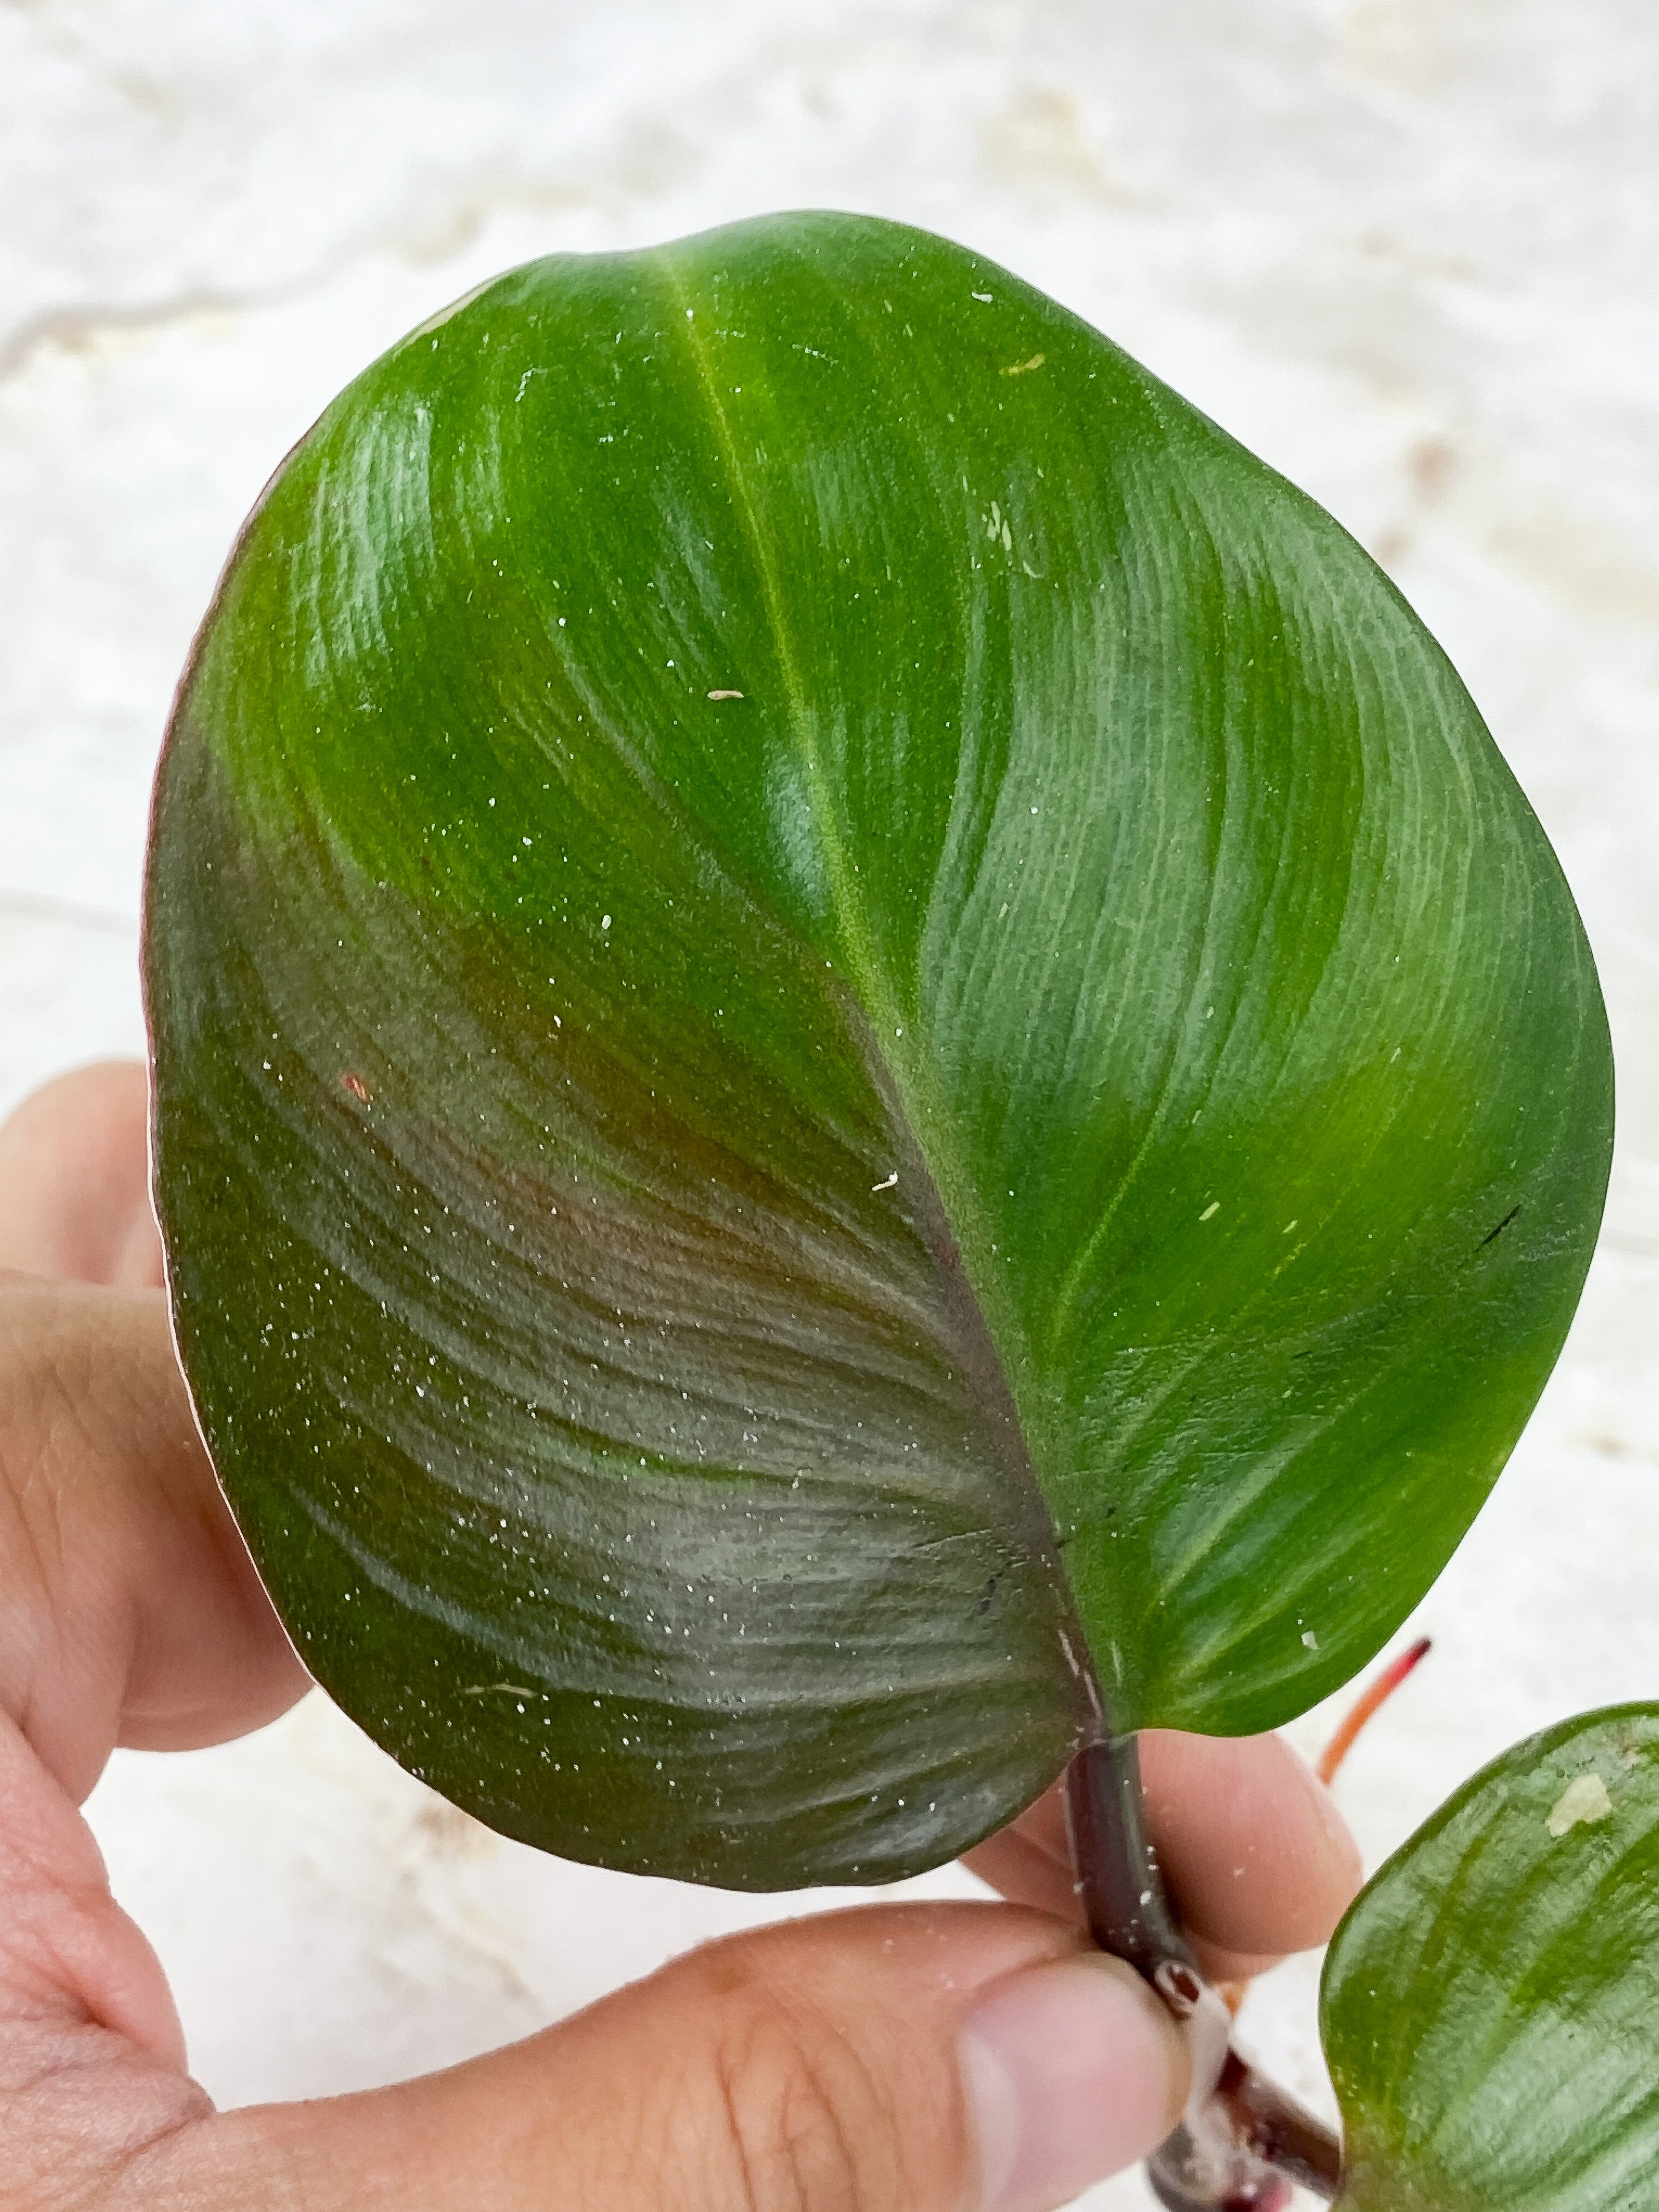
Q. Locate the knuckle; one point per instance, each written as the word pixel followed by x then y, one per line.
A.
pixel 86 2125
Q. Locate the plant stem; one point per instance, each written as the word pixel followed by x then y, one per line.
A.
pixel 1123 1887
pixel 1281 2132
pixel 1241 2139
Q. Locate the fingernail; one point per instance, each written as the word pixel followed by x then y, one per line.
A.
pixel 1073 2070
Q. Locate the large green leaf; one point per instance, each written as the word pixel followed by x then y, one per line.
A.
pixel 1491 2003
pixel 810 951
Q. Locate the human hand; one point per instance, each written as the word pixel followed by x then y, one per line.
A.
pixel 897 2058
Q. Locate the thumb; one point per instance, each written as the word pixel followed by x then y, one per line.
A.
pixel 948 2059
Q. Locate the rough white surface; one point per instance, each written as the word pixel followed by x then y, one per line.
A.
pixel 1406 250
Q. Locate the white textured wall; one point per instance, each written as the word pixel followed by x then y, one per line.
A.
pixel 1406 250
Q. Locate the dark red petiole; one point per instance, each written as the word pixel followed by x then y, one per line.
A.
pixel 1242 2141
pixel 1240 2136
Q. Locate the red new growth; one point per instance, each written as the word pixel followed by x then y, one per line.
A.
pixel 1365 1705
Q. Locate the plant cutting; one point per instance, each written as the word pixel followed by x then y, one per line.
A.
pixel 864 1075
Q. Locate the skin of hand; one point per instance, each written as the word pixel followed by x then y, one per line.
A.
pixel 960 2057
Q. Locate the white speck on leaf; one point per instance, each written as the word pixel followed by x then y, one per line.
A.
pixel 1214 1206
pixel 725 695
pixel 888 1185
pixel 1310 1639
pixel 1584 1799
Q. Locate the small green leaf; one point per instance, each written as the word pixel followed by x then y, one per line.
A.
pixel 1490 2002
pixel 842 1013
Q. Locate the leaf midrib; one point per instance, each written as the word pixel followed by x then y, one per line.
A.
pixel 868 1000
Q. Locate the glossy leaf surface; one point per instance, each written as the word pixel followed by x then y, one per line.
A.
pixel 839 1006
pixel 1489 2003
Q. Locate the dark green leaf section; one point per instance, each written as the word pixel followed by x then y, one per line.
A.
pixel 601 1425
pixel 1094 1017
pixel 1489 2003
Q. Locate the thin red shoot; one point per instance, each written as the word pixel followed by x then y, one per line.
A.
pixel 1375 1695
